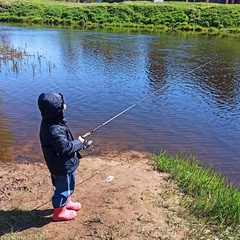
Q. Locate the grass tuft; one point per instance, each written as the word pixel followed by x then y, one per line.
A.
pixel 216 201
pixel 10 219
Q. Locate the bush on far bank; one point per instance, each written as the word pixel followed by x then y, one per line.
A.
pixel 173 15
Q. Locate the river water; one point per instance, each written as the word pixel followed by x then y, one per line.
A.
pixel 191 84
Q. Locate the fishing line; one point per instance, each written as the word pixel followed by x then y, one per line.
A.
pixel 141 100
pixel 93 175
pixel 119 114
pixel 116 125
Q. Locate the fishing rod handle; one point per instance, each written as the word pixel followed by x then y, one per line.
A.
pixel 86 134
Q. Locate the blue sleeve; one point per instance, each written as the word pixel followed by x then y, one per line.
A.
pixel 61 142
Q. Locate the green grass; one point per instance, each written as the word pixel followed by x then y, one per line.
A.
pixel 216 202
pixel 9 219
pixel 17 219
pixel 181 16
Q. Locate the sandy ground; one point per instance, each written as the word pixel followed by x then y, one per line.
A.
pixel 139 203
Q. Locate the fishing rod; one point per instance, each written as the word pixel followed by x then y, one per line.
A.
pixel 141 100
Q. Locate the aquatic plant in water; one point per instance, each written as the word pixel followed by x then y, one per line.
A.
pixel 10 53
pixel 13 59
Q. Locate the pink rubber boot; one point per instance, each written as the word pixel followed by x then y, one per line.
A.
pixel 73 205
pixel 63 214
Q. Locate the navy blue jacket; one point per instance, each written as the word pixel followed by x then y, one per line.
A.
pixel 59 148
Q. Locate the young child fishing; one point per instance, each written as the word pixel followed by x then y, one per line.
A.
pixel 61 153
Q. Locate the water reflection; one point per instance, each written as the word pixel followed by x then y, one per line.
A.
pixel 157 65
pixel 6 136
pixel 102 73
pixel 220 80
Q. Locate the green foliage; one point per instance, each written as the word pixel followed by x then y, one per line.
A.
pixel 181 16
pixel 53 11
pixel 23 9
pixel 193 15
pixel 9 218
pixel 185 27
pixel 215 199
pixel 220 17
pixel 198 28
pixel 112 1
pixel 234 30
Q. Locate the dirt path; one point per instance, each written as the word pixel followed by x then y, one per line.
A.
pixel 139 203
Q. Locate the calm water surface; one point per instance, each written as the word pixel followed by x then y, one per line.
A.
pixel 102 73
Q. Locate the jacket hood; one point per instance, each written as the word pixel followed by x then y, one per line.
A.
pixel 51 107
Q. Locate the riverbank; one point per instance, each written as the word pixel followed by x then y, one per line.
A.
pixel 139 203
pixel 204 18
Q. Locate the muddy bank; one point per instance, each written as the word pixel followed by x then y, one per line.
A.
pixel 139 203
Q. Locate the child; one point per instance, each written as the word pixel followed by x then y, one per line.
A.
pixel 61 154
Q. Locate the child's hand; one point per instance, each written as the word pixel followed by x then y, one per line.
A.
pixel 87 144
pixel 81 139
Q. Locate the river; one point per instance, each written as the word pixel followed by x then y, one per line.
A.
pixel 190 85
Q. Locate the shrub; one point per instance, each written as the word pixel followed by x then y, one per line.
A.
pixel 173 15
pixel 198 28
pixel 37 20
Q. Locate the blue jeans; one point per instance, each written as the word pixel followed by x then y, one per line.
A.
pixel 64 187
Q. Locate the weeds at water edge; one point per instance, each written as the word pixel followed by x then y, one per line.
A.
pixel 216 202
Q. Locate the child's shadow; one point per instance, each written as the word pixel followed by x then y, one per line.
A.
pixel 17 220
